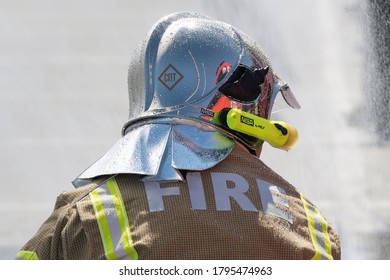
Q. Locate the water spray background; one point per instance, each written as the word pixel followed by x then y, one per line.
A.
pixel 63 93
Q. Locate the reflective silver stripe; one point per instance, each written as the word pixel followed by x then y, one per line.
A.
pixel 318 229
pixel 113 222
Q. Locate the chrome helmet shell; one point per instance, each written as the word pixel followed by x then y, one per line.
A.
pixel 190 66
pixel 188 69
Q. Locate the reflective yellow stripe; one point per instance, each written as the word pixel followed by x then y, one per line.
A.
pixel 318 230
pixel 123 219
pixel 328 246
pixel 103 225
pixel 27 255
pixel 312 231
pixel 113 222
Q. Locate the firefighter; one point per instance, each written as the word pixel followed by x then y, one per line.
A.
pixel 185 180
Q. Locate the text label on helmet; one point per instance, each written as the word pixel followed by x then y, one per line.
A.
pixel 170 77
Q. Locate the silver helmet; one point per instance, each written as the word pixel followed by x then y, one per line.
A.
pixel 188 68
pixel 191 66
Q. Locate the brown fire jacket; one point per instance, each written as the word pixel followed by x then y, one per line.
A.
pixel 239 209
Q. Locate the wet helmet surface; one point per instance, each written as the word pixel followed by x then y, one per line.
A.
pixel 191 66
pixel 183 75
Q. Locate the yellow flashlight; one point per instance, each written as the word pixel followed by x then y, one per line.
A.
pixel 277 133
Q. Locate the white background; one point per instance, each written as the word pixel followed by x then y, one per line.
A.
pixel 63 96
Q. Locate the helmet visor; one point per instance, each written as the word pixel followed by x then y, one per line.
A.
pixel 245 86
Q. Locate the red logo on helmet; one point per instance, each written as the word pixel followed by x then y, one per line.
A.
pixel 222 70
